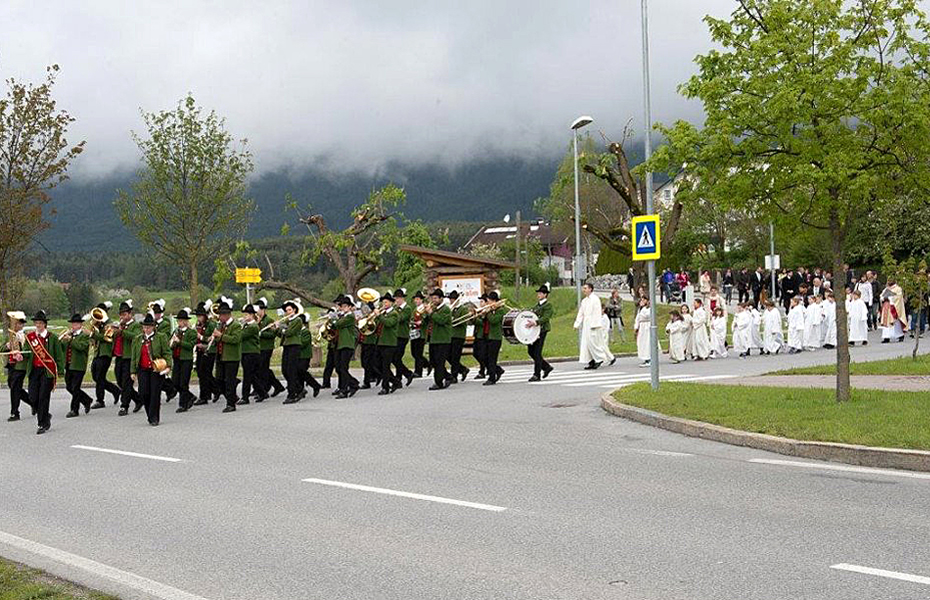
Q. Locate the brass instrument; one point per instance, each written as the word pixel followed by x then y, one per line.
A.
pixel 221 327
pixel 368 294
pixel 479 312
pixel 366 325
pixel 472 313
pixel 322 329
pixel 160 365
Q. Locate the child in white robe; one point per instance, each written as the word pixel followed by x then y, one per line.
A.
pixel 857 315
pixel 829 321
pixel 742 336
pixel 772 323
pixel 700 340
pixel 796 326
pixel 643 335
pixel 676 337
pixel 686 329
pixel 718 333
pixel 813 317
pixel 755 330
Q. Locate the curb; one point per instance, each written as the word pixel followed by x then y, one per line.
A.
pixel 864 456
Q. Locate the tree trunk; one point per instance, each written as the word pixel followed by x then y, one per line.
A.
pixel 842 328
pixel 194 291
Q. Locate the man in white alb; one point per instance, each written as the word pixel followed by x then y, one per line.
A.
pixel 590 321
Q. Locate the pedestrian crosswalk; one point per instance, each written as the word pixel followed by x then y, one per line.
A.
pixel 608 379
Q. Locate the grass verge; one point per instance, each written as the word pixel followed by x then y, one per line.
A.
pixel 18 582
pixel 893 366
pixel 871 418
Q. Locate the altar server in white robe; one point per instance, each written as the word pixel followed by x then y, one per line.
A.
pixel 676 337
pixel 742 330
pixel 687 328
pixel 590 321
pixel 813 318
pixel 643 335
pixel 829 321
pixel 700 340
pixel 756 331
pixel 796 325
pixel 718 333
pixel 773 336
pixel 857 315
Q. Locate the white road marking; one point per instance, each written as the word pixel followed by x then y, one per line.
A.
pixel 591 379
pixel 882 573
pixel 123 578
pixel 866 470
pixel 132 454
pixel 656 452
pixel 377 490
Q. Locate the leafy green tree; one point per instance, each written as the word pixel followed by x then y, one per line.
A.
pixel 415 233
pixel 190 198
pixel 817 112
pixel 34 158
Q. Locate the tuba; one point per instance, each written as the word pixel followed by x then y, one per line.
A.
pixel 368 295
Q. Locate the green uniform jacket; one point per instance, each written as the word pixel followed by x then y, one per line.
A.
pixel 250 340
pixel 187 343
pixel 440 321
pixel 403 323
pixel 543 315
pixel 164 327
pixel 208 328
pixel 291 332
pixel 21 365
pixel 267 337
pixel 387 322
pixel 132 331
pixel 495 318
pixel 459 331
pixel 479 328
pixel 80 346
pixel 159 349
pixel 104 348
pixel 306 344
pixel 346 333
pixel 232 342
pixel 56 349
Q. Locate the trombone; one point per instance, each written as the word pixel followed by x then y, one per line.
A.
pixel 479 312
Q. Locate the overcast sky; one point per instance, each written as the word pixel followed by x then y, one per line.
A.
pixel 355 83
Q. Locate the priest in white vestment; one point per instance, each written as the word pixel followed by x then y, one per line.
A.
pixel 590 322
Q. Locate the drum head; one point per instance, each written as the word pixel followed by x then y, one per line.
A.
pixel 522 331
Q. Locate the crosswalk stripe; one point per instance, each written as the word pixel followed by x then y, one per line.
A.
pixel 552 379
pixel 585 379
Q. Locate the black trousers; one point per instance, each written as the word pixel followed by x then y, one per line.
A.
pixel 290 365
pixel 492 350
pixel 416 350
pixel 535 351
pixel 79 397
pixel 343 358
pixel 205 364
pixel 40 394
pixel 743 294
pixel 438 354
pixel 150 384
pixel 268 379
pixel 386 357
pixel 306 377
pixel 98 372
pixel 229 369
pixel 124 380
pixel 330 365
pixel 18 395
pixel 455 356
pixel 399 367
pixel 251 374
pixel 480 352
pixel 370 363
pixel 181 380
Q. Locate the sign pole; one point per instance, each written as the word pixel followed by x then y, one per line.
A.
pixel 653 321
pixel 248 293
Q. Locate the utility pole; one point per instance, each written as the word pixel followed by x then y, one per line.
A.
pixel 517 282
pixel 653 326
pixel 772 255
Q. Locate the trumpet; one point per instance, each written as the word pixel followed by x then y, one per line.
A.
pixel 367 324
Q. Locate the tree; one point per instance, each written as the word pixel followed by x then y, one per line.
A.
pixel 190 198
pixel 34 158
pixel 409 267
pixel 816 112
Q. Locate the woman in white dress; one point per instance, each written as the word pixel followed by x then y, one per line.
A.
pixel 812 319
pixel 676 337
pixel 700 340
pixel 718 333
pixel 857 315
pixel 643 335
pixel 772 323
pixel 796 326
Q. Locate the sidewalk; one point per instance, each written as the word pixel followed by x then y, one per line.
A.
pixel 894 383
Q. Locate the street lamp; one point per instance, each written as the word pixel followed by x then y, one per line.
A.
pixel 576 125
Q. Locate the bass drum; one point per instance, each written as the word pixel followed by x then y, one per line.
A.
pixel 516 329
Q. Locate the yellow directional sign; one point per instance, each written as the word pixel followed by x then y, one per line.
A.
pixel 646 244
pixel 248 275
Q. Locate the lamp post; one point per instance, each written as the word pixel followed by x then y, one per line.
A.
pixel 576 125
pixel 653 328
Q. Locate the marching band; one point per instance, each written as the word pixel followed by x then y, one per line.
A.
pixel 150 358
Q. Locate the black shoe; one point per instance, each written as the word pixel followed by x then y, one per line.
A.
pixel 353 391
pixel 277 391
pixel 302 394
pixel 365 386
pixel 182 409
pixel 216 399
pixel 326 386
pixel 546 372
pixel 98 404
pixel 72 414
pixel 170 397
pixel 260 399
pixel 137 407
pixel 435 387
pixel 866 343
pixel 200 402
pixel 596 366
pixel 242 402
pixel 335 391
pixel 86 405
pixel 383 392
pixel 590 366
pixel 13 417
pixel 612 361
pixel 41 430
pixel 153 423
pixel 450 380
pixel 465 373
pixel 229 409
pixel 293 400
pixel 886 341
pixel 123 412
pixel 534 378
pixel 480 376
pixel 409 379
pixel 418 375
pixel 340 395
pixel 490 382
pixel 316 390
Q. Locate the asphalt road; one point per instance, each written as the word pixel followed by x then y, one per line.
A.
pixel 532 491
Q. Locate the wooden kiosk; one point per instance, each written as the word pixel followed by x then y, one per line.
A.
pixel 471 276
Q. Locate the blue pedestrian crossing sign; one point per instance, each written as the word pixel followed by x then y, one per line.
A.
pixel 646 244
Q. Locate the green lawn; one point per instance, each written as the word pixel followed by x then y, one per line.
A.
pixel 871 418
pixel 893 366
pixel 21 583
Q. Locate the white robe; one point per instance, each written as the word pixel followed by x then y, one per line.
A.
pixel 700 341
pixel 812 318
pixel 676 340
pixel 687 329
pixel 755 332
pixel 643 337
pixel 774 337
pixel 718 337
pixel 857 315
pixel 742 332
pixel 796 327
pixel 829 323
pixel 590 321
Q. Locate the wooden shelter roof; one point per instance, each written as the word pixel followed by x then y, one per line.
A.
pixel 434 258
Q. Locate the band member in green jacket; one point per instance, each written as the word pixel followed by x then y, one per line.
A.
pixel 404 316
pixel 16 363
pixel 494 336
pixel 251 356
pixel 346 338
pixel 44 367
pixel 76 344
pixel 182 344
pixel 127 330
pixel 306 353
pixel 543 310
pixel 459 333
pixel 103 357
pixel 479 346
pixel 270 386
pixel 227 340
pixel 205 359
pixel 371 364
pixel 440 332
pixel 289 331
pixel 163 326
pixel 147 349
pixel 386 332
pixel 418 326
